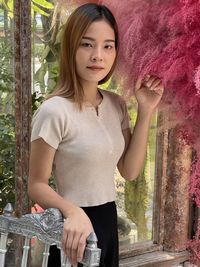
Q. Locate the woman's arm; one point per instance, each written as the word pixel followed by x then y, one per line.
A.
pixel 148 96
pixel 77 226
pixel 40 168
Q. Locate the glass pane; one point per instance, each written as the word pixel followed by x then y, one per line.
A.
pixel 135 198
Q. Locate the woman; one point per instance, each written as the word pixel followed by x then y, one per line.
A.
pixel 82 133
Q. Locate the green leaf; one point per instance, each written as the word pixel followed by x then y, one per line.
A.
pixel 10 14
pixel 32 12
pixel 40 11
pixel 43 3
pixel 45 53
pixel 106 84
pixel 10 5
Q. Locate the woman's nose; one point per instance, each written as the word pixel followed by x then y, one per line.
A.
pixel 97 55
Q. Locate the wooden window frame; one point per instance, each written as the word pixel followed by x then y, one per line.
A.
pixel 166 248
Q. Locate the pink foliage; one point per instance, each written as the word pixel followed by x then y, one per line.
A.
pixel 162 38
pixel 194 247
pixel 197 79
pixel 195 180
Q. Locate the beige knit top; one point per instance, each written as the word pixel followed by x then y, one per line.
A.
pixel 88 145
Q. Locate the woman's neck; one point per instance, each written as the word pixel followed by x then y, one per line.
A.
pixel 91 94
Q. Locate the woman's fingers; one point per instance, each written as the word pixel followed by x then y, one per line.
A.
pixel 74 248
pixel 81 248
pixel 155 84
pixel 149 82
pixel 159 90
pixel 68 245
pixel 138 84
pixel 75 231
pixel 74 245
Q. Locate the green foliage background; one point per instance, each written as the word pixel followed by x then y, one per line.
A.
pixel 139 193
pixel 7 124
pixel 7 118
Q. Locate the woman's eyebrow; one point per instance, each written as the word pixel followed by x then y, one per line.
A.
pixel 92 39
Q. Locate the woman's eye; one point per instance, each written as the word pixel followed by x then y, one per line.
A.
pixel 86 45
pixel 108 46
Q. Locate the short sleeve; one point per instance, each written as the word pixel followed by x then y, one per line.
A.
pixel 48 125
pixel 125 116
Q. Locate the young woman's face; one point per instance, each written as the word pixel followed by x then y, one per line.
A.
pixel 96 53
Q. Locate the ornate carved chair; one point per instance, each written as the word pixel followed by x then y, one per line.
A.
pixel 47 227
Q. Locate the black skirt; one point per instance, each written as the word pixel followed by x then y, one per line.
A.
pixel 104 221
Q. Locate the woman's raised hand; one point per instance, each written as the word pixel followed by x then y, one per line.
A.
pixel 148 92
pixel 77 228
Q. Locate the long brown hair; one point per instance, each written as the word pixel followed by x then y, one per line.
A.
pixel 69 85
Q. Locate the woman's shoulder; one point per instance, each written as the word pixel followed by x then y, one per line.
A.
pixel 55 103
pixel 113 97
pixel 55 106
pixel 110 94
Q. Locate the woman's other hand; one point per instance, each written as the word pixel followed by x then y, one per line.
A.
pixel 149 92
pixel 77 228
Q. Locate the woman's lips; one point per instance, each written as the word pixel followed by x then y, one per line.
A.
pixel 95 68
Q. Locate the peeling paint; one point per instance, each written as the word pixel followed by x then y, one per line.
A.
pixel 176 208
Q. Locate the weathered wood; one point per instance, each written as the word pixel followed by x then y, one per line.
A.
pixel 155 259
pixel 22 67
pixel 138 248
pixel 160 178
pixel 171 202
pixel 177 197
